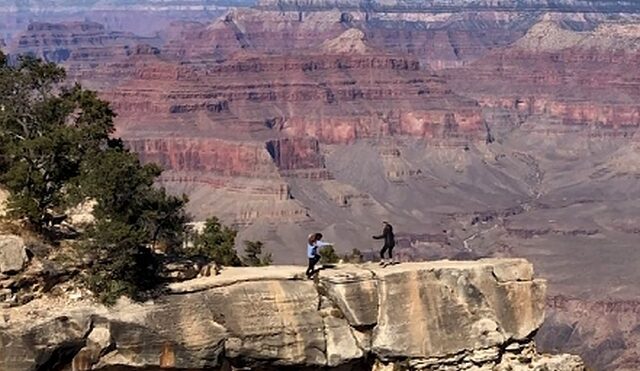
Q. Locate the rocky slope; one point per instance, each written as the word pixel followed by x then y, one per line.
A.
pixel 415 316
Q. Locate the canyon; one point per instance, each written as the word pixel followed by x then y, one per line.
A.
pixel 479 129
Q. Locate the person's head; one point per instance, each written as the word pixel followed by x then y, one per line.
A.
pixel 312 238
pixel 318 236
pixel 385 223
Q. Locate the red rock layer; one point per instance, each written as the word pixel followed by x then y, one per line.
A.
pixel 582 85
pixel 293 154
pixel 205 155
pixel 438 40
pixel 334 98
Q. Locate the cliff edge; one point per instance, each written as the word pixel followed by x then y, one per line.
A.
pixel 445 315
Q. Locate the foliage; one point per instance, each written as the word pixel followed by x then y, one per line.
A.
pixel 124 191
pixel 254 257
pixel 132 216
pixel 46 132
pixel 217 243
pixel 328 255
pixel 123 265
pixel 355 256
pixel 56 151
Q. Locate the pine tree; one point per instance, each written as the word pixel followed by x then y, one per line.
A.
pixel 355 256
pixel 132 216
pixel 217 243
pixel 56 151
pixel 46 131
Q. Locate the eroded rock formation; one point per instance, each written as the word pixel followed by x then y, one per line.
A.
pixel 416 316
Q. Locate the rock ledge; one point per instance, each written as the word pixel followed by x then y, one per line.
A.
pixel 443 315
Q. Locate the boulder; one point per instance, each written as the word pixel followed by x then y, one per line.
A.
pixel 4 196
pixel 13 254
pixel 355 292
pixel 43 345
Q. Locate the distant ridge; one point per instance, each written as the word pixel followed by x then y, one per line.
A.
pixel 114 5
pixel 438 6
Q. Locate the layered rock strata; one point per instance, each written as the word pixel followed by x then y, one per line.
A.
pixel 416 316
pixel 554 75
pixel 438 6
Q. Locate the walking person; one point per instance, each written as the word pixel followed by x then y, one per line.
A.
pixel 314 243
pixel 389 242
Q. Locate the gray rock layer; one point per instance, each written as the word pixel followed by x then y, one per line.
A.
pixel 414 316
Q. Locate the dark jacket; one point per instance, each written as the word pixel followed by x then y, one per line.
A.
pixel 387 235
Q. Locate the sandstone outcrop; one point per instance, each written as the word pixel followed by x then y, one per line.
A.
pixel 13 254
pixel 442 315
pixel 4 197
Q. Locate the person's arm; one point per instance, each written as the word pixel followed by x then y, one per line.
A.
pixel 378 237
pixel 322 243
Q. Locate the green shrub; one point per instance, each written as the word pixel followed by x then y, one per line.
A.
pixel 355 256
pixel 328 255
pixel 217 243
pixel 254 256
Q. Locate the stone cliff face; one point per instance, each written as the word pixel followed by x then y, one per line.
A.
pixel 281 95
pixel 212 156
pixel 415 316
pixel 80 44
pixel 552 73
pixel 603 331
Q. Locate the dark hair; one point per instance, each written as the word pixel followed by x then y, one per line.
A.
pixel 318 236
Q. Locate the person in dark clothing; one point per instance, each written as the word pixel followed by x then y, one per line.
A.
pixel 389 242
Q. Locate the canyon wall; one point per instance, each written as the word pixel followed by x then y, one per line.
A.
pixel 457 5
pixel 415 316
pixel 478 128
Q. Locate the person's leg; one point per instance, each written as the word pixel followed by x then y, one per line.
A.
pixel 390 254
pixel 384 248
pixel 310 267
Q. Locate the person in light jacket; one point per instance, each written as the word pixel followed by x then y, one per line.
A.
pixel 314 243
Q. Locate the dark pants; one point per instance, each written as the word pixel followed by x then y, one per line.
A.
pixel 312 263
pixel 386 248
